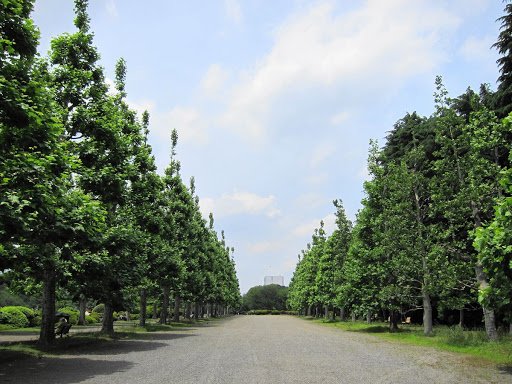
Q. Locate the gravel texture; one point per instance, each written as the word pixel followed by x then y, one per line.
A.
pixel 255 349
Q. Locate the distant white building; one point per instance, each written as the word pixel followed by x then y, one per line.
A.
pixel 279 280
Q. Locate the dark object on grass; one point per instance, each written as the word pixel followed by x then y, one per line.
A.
pixel 61 315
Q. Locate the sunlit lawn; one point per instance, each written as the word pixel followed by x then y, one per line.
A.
pixel 453 339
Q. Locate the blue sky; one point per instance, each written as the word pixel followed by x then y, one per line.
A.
pixel 275 101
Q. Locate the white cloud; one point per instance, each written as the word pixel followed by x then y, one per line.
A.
pixel 262 247
pixel 233 10
pixel 310 201
pixel 141 106
pixel 383 42
pixel 189 123
pixel 308 228
pixel 340 117
pixel 111 8
pixel 239 202
pixel 318 178
pixel 477 49
pixel 320 153
pixel 213 81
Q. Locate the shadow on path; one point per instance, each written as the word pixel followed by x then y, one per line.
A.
pixel 59 370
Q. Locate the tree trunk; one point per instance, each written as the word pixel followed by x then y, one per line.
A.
pixel 127 314
pixel 47 333
pixel 461 318
pixel 155 315
pixel 427 312
pixel 342 314
pixel 489 317
pixel 353 317
pixel 393 320
pixel 143 308
pixel 368 317
pixel 333 317
pixel 108 320
pixel 188 311
pixel 83 307
pixel 326 312
pixel 196 311
pixel 176 309
pixel 165 305
pixel 309 311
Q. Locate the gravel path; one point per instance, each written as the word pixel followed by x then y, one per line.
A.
pixel 254 349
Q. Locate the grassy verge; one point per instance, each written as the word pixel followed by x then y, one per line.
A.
pixel 454 339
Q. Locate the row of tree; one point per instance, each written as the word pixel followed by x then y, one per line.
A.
pixel 81 204
pixel 435 227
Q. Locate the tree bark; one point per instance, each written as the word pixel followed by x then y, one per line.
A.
pixel 489 317
pixel 165 305
pixel 353 317
pixel 427 312
pixel 83 305
pixel 368 317
pixel 108 320
pixel 143 308
pixel 47 333
pixel 196 311
pixel 154 311
pixel 342 314
pixel 393 320
pixel 176 309
pixel 188 312
pixel 461 318
pixel 326 312
pixel 333 317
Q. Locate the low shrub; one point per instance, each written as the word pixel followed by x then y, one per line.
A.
pixel 15 316
pixel 99 308
pixel 93 317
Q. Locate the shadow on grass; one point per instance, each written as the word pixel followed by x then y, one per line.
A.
pixel 506 369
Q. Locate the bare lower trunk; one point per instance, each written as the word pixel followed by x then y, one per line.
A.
pixel 326 312
pixel 368 317
pixel 188 310
pixel 177 309
pixel 196 311
pixel 127 314
pixel 353 317
pixel 309 311
pixel 461 318
pixel 47 334
pixel 143 308
pixel 83 306
pixel 427 313
pixel 155 314
pixel 489 317
pixel 393 320
pixel 342 313
pixel 333 316
pixel 165 305
pixel 108 320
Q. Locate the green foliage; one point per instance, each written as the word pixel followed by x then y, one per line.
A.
pixel 93 317
pixel 267 297
pixel 15 316
pixel 99 309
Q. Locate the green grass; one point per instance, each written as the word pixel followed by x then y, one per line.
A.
pixel 454 339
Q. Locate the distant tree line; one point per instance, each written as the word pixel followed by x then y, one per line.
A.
pixel 269 297
pixel 435 229
pixel 82 208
